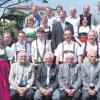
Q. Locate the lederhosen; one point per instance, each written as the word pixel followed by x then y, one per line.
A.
pixel 38 53
pixel 67 51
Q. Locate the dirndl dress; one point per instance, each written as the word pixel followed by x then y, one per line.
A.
pixel 4 77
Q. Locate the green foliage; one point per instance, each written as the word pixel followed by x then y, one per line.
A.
pixel 6 26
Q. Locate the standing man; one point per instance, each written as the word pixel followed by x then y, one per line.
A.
pixel 86 12
pixel 69 79
pixel 75 21
pixel 58 29
pixel 21 78
pixel 46 79
pixel 68 45
pixel 50 17
pixel 96 17
pixel 91 43
pixel 90 72
pixel 36 16
pixel 39 47
pixel 7 39
pixel 21 44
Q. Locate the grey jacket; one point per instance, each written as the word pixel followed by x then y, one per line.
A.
pixel 86 75
pixel 63 76
pixel 16 75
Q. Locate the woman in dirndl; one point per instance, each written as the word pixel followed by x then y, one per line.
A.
pixel 5 61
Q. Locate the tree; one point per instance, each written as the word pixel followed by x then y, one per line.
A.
pixel 6 4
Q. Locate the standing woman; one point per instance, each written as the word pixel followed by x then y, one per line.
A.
pixel 30 31
pixel 84 28
pixel 5 61
pixel 46 27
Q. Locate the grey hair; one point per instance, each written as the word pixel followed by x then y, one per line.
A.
pixel 93 31
pixel 91 51
pixel 69 54
pixel 22 51
pixel 48 53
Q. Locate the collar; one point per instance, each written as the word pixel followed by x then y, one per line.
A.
pixel 72 17
pixel 21 44
pixel 94 64
pixel 65 42
pixel 62 22
pixel 41 41
pixel 48 65
pixel 23 64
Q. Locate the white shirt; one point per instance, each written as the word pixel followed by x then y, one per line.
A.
pixel 16 47
pixel 48 73
pixel 86 29
pixel 9 53
pixel 67 46
pixel 63 24
pixel 75 21
pixel 41 46
pixel 89 47
pixel 50 21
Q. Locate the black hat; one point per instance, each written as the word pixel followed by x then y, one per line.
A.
pixel 40 30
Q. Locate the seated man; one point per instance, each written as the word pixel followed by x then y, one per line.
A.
pixel 21 78
pixel 90 72
pixel 69 78
pixel 46 79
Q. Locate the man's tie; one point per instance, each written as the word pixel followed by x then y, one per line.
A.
pixel 69 76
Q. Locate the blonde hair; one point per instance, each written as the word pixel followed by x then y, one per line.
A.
pixel 30 18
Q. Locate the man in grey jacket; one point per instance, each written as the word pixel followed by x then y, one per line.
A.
pixel 21 78
pixel 69 78
pixel 90 72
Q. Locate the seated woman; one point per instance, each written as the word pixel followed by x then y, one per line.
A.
pixel 84 29
pixel 5 60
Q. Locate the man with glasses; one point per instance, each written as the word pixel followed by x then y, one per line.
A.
pixel 21 44
pixel 69 78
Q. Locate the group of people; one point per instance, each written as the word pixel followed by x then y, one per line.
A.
pixel 54 58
